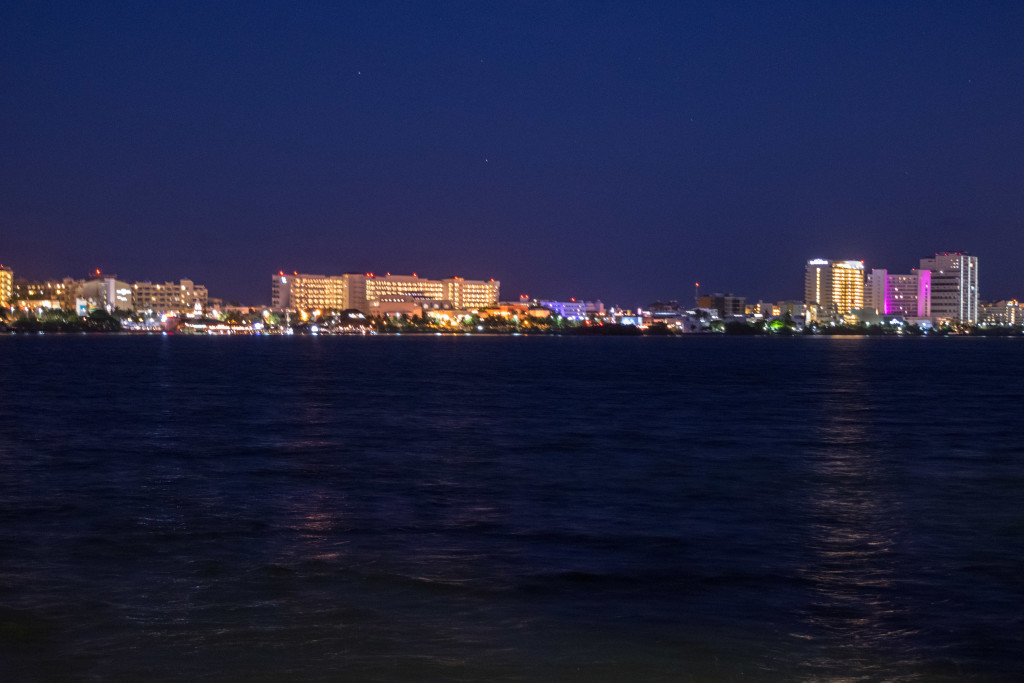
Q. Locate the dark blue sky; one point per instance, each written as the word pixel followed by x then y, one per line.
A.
pixel 602 150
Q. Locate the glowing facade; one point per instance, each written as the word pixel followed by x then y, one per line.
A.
pixel 834 288
pixel 305 292
pixel 46 294
pixel 954 286
pixel 570 310
pixel 169 297
pixel 411 286
pixel 1008 312
pixel 471 293
pixel 365 291
pixel 104 292
pixel 6 286
pixel 907 295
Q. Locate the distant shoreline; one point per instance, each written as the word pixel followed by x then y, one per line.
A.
pixel 997 334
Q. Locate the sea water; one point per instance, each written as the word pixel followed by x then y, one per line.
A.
pixel 496 508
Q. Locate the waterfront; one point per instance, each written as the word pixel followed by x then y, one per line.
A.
pixel 557 508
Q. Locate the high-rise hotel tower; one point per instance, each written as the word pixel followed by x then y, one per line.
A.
pixel 6 285
pixel 904 294
pixel 954 286
pixel 834 289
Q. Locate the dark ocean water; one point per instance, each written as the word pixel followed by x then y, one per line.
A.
pixel 511 509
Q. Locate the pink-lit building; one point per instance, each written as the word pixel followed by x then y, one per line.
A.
pixel 906 295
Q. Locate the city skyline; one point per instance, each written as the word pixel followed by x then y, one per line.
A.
pixel 840 297
pixel 812 289
pixel 619 152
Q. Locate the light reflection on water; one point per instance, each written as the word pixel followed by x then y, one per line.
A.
pixel 509 509
pixel 854 619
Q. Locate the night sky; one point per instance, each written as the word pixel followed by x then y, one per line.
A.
pixel 618 151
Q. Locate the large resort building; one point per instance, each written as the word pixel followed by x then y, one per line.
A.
pixel 6 286
pixel 45 294
pixel 907 295
pixel 954 286
pixel 377 294
pixel 169 297
pixel 1006 312
pixel 309 292
pixel 834 289
pixel 104 291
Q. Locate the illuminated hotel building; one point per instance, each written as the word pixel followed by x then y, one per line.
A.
pixel 412 286
pixel 1007 312
pixel 954 286
pixel 6 286
pixel 361 291
pixel 169 297
pixel 908 295
pixel 471 293
pixel 103 291
pixel 46 294
pixel 835 288
pixel 570 310
pixel 305 292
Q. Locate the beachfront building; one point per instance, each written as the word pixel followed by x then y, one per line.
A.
pixel 376 294
pixel 780 309
pixel 1007 312
pixel 727 305
pixel 6 286
pixel 833 289
pixel 394 287
pixel 169 297
pixel 459 292
pixel 954 286
pixel 470 294
pixel 761 309
pixel 306 292
pixel 907 295
pixel 46 294
pixel 794 309
pixel 103 291
pixel 672 315
pixel 570 310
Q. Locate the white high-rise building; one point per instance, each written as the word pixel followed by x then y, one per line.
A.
pixel 954 286
pixel 908 295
